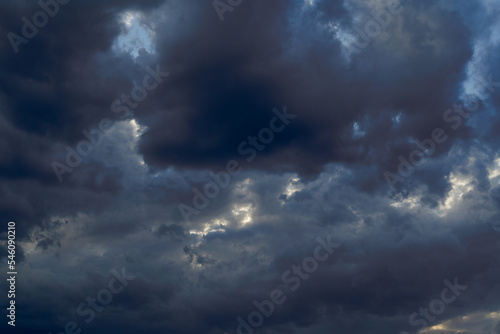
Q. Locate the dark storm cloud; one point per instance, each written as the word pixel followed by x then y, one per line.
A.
pixel 395 265
pixel 175 231
pixel 52 88
pixel 226 85
pixel 321 175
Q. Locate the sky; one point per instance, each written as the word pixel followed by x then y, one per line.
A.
pixel 250 166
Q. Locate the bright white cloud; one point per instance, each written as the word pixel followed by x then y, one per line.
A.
pixel 136 35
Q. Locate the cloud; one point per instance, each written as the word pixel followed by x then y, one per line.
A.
pixel 322 175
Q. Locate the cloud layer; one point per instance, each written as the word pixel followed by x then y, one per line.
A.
pixel 364 98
